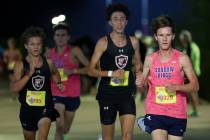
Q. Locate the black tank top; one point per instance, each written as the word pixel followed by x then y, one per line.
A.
pixel 112 59
pixel 39 83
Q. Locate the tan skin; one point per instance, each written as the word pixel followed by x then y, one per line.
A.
pixel 12 53
pixel 164 37
pixel 11 56
pixel 33 46
pixel 64 122
pixel 118 23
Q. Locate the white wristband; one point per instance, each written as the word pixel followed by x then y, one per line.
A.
pixel 110 73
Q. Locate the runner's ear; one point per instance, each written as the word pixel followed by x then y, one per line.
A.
pixel 25 46
pixel 173 37
pixel 155 36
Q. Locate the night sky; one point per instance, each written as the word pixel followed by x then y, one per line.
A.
pixel 86 17
pixel 16 16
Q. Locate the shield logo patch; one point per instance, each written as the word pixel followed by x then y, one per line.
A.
pixel 38 82
pixel 121 61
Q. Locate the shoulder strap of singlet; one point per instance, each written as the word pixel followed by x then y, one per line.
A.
pixel 45 63
pixel 128 39
pixel 109 40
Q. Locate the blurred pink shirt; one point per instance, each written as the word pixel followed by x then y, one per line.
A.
pixel 72 82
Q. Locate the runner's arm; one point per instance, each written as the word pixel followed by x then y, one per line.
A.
pixel 19 55
pixel 193 85
pixel 137 55
pixel 100 48
pixel 55 74
pixel 19 80
pixel 5 55
pixel 82 59
pixel 141 78
pixel 197 60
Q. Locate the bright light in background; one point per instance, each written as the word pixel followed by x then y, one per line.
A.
pixel 55 20
pixel 61 17
pixel 138 34
pixel 58 19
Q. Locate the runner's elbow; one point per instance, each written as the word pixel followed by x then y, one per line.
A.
pixel 196 88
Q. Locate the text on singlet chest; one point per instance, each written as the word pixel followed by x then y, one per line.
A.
pixel 164 72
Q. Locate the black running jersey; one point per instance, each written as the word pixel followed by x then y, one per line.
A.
pixel 37 91
pixel 112 59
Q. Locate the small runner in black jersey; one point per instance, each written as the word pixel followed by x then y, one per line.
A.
pixel 115 52
pixel 32 78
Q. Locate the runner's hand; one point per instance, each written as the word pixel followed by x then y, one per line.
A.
pixel 69 71
pixel 140 80
pixel 61 87
pixel 118 74
pixel 171 88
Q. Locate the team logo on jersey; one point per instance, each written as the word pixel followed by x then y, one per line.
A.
pixel 38 82
pixel 121 61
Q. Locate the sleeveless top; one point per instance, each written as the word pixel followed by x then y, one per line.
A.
pixel 159 101
pixel 37 91
pixel 112 59
pixel 71 82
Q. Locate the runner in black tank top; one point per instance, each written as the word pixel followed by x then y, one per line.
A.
pixel 118 58
pixel 32 81
pixel 115 53
pixel 38 82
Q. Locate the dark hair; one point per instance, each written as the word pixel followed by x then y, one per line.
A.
pixel 32 32
pixel 61 25
pixel 162 21
pixel 117 7
pixel 12 38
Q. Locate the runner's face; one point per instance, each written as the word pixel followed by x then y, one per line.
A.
pixel 11 43
pixel 118 22
pixel 183 41
pixel 164 37
pixel 34 46
pixel 61 37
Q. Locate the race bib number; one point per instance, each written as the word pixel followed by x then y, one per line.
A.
pixel 120 82
pixel 63 76
pixel 35 98
pixel 164 97
pixel 11 65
